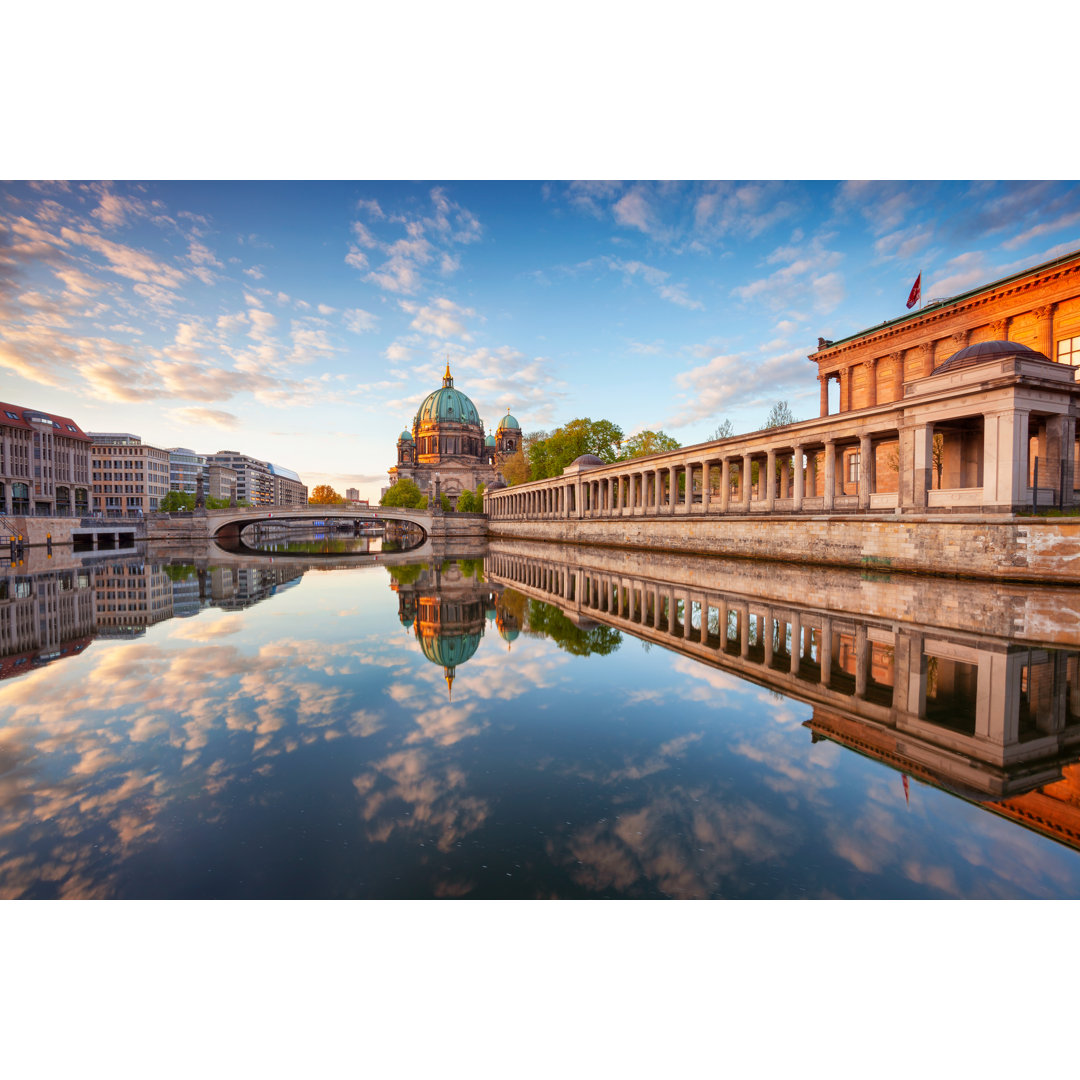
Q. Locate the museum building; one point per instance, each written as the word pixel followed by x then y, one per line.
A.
pixel 447 444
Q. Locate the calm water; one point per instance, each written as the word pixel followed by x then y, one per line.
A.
pixel 529 724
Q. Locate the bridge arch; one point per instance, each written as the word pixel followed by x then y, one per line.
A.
pixel 227 525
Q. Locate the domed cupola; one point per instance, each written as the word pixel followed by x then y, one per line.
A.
pixel 447 405
pixel 984 351
pixel 508 435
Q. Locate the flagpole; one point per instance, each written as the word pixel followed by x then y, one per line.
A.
pixel 920 288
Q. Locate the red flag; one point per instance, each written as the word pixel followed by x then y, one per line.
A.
pixel 916 292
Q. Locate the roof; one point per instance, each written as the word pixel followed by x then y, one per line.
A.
pixel 508 422
pixel 948 302
pixel 984 351
pixel 448 405
pixel 22 417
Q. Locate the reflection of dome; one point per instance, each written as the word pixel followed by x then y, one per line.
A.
pixel 449 650
pixel 509 422
pixel 988 350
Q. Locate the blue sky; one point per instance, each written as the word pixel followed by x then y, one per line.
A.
pixel 304 322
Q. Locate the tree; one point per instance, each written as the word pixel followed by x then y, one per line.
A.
pixel 404 494
pixel 324 495
pixel 470 502
pixel 216 504
pixel 779 417
pixel 647 442
pixel 177 500
pixel 515 469
pixel 550 453
pixel 724 430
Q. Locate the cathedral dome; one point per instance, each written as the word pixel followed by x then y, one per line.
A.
pixel 405 436
pixel 988 350
pixel 447 405
pixel 490 440
pixel 508 422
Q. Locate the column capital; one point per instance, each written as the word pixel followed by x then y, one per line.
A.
pixel 1044 311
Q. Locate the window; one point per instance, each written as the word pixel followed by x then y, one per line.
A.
pixel 853 468
pixel 1068 351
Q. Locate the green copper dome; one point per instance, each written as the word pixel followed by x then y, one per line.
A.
pixel 490 440
pixel 449 650
pixel 447 404
pixel 509 422
pixel 405 436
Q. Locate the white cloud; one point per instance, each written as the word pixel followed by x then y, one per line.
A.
pixel 360 321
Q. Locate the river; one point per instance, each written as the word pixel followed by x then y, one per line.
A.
pixel 530 721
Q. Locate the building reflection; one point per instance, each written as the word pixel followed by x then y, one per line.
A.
pixel 977 705
pixel 449 607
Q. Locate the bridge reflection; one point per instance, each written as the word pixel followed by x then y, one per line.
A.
pixel 944 696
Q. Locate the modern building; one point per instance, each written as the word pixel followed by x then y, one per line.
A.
pixel 289 489
pixel 44 463
pixel 128 475
pixel 131 596
pixel 221 483
pixel 185 469
pixel 259 482
pixel 447 444
pixel 352 494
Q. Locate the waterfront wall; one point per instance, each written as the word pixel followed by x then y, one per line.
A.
pixel 1011 549
pixel 1015 612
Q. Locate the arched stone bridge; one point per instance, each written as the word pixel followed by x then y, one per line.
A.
pixel 227 524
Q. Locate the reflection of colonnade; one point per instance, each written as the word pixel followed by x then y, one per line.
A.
pixel 960 438
pixel 980 713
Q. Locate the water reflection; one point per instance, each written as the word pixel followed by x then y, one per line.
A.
pixel 532 722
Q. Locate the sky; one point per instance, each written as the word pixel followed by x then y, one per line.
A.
pixel 304 322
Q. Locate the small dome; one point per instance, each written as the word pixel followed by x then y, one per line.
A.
pixel 508 422
pixel 496 485
pixel 490 440
pixel 988 350
pixel 586 461
pixel 405 436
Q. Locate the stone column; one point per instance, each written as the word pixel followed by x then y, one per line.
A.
pixel 845 389
pixel 688 494
pixel 830 474
pixel 770 480
pixel 658 490
pixel 862 650
pixel 871 382
pixel 744 630
pixel 923 466
pixel 865 472
pixel 1044 330
pixel 706 486
pixel 767 635
pixel 811 475
pixel 796 642
pixel 725 484
pixel 673 488
pixel 823 380
pixel 744 481
pixel 785 476
pixel 800 478
pixel 825 651
pixel 898 376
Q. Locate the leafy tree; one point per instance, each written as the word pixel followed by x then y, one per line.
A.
pixel 724 430
pixel 216 504
pixel 647 442
pixel 324 495
pixel 549 621
pixel 779 417
pixel 177 500
pixel 550 453
pixel 404 494
pixel 515 469
pixel 469 502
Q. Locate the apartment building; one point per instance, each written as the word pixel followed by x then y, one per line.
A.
pixel 128 476
pixel 44 463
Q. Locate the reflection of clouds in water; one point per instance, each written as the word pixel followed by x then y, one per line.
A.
pixel 652 763
pixel 73 738
pixel 435 794
pixel 683 843
pixel 209 625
